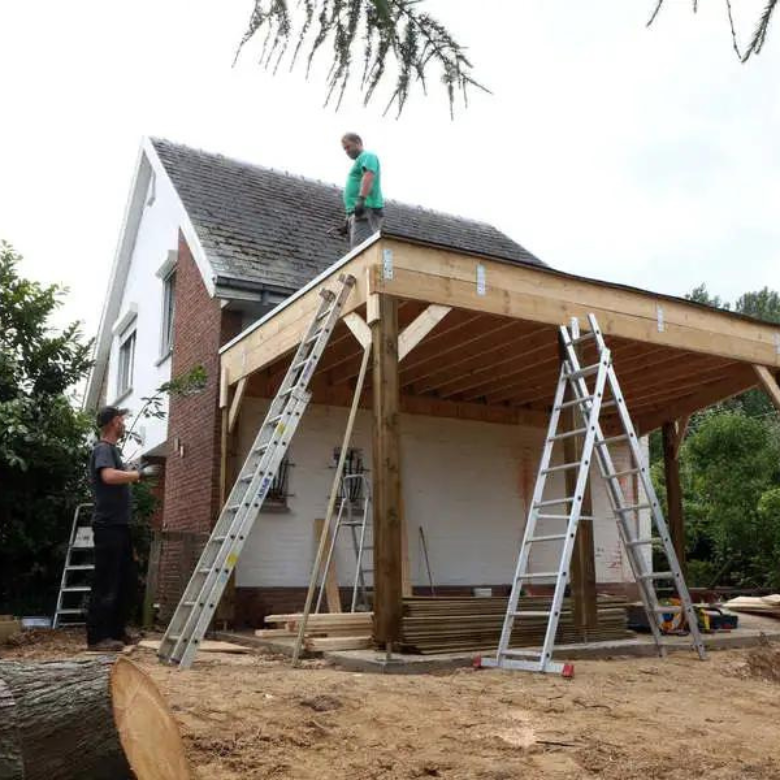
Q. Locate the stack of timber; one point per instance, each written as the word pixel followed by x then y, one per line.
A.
pixel 756 605
pixel 451 625
pixel 332 631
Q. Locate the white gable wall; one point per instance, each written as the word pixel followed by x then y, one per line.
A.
pixel 157 236
pixel 466 483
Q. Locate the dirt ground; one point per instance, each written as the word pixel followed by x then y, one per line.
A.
pixel 251 716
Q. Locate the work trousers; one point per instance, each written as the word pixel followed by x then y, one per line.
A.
pixel 114 583
pixel 361 228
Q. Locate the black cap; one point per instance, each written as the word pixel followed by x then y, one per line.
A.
pixel 107 413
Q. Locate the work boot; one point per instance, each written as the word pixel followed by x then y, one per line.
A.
pixel 106 646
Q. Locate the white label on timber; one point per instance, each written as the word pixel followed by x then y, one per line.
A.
pixel 481 279
pixel 660 313
pixel 387 264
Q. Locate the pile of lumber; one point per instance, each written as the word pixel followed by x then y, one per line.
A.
pixel 451 625
pixel 756 605
pixel 332 631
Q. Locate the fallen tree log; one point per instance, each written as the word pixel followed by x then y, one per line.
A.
pixel 97 719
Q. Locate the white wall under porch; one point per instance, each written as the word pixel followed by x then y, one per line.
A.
pixel 466 483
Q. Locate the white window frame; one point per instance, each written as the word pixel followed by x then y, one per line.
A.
pixel 125 368
pixel 168 314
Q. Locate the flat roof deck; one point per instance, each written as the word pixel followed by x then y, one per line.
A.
pixel 494 356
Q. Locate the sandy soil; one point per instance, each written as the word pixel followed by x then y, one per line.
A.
pixel 246 717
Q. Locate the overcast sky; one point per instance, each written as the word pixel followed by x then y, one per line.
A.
pixel 648 157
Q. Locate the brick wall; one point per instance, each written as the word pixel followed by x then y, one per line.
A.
pixel 191 501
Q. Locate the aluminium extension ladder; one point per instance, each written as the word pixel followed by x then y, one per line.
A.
pixel 198 604
pixel 355 489
pixel 77 572
pixel 588 403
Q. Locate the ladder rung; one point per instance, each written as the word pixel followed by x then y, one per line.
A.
pixel 554 502
pixel 70 611
pixel 612 440
pixel 632 508
pixel 76 589
pixel 568 434
pixel 575 402
pixel 657 575
pixel 261 448
pixel 80 567
pixel 205 570
pixel 590 336
pixel 521 653
pixel 532 613
pixel 608 404
pixel 300 363
pixel 563 517
pixel 626 473
pixel 549 538
pixel 583 372
pixel 324 314
pixel 539 575
pixel 643 541
pixel 670 610
pixel 564 467
pixel 313 337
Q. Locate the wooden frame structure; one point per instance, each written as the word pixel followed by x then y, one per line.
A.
pixel 470 337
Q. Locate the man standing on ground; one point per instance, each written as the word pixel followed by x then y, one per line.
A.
pixel 114 582
pixel 363 199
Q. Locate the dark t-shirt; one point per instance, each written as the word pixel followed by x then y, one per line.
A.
pixel 112 502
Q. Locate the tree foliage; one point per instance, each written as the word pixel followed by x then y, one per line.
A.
pixel 43 448
pixel 388 29
pixel 757 40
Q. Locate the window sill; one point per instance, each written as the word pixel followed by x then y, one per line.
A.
pixel 160 360
pixel 126 394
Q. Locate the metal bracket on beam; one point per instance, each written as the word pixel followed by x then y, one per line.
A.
pixel 387 263
pixel 481 279
pixel 659 310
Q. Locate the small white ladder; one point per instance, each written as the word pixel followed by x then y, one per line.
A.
pixel 355 490
pixel 77 572
pixel 201 597
pixel 588 403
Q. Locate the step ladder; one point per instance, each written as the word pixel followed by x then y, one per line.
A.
pixel 219 557
pixel 354 513
pixel 559 517
pixel 75 587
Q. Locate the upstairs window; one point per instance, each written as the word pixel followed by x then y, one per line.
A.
pixel 169 290
pixel 126 362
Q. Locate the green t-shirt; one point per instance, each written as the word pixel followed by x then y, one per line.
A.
pixel 367 161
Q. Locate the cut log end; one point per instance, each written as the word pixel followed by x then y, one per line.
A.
pixel 149 735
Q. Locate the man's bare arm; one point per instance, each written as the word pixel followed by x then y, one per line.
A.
pixel 117 477
pixel 366 183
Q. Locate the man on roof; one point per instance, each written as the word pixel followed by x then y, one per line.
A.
pixel 363 199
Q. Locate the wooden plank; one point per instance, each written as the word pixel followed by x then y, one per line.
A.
pixel 274 633
pixel 532 295
pixel 323 644
pixel 323 619
pixel 415 332
pixel 205 646
pixel 235 407
pixel 674 497
pixel 769 384
pixel 224 387
pixel 330 580
pixel 359 329
pixel 388 580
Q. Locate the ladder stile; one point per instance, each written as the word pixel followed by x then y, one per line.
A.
pixel 219 557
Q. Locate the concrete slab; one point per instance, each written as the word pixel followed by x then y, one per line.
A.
pixel 753 629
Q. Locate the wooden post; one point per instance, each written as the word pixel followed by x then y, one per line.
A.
pixel 388 556
pixel 583 561
pixel 674 500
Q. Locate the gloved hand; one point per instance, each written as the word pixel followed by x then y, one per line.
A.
pixel 150 470
pixel 360 207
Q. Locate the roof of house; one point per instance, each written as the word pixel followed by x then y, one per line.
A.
pixel 263 228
